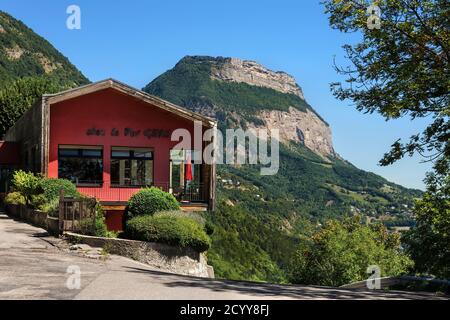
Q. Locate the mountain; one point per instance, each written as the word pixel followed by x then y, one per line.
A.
pixel 23 53
pixel 260 219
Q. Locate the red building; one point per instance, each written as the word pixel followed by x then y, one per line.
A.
pixel 111 140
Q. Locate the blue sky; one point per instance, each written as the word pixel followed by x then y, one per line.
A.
pixel 136 40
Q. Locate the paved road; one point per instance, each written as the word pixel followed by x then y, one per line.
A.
pixel 33 266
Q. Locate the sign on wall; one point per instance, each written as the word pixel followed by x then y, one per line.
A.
pixel 129 132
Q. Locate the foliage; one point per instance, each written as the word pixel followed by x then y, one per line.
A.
pixel 150 201
pixel 38 201
pixel 340 253
pixel 40 192
pixel 169 229
pixel 428 243
pixel 197 216
pixel 27 184
pixel 18 96
pixel 51 207
pixel 97 227
pixel 52 187
pixel 400 69
pixel 247 245
pixel 37 56
pixel 14 198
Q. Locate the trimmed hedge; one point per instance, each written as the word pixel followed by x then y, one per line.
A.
pixel 52 187
pixel 148 201
pixel 172 230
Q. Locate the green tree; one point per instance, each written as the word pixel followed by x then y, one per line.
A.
pixel 17 97
pixel 428 242
pixel 401 69
pixel 398 70
pixel 341 251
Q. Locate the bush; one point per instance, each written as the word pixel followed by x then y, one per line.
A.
pixel 51 208
pixel 96 228
pixel 14 198
pixel 148 201
pixel 42 193
pixel 340 253
pixel 172 230
pixel 196 216
pixel 52 187
pixel 27 183
pixel 38 201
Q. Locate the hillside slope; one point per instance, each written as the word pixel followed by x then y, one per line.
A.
pixel 24 53
pixel 260 219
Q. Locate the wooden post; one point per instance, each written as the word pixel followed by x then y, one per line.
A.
pixel 95 216
pixel 61 211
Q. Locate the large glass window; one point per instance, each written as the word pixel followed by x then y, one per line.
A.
pixel 131 167
pixel 81 165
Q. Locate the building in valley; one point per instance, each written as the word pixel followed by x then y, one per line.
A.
pixel 111 140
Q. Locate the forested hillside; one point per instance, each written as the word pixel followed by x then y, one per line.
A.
pixel 261 219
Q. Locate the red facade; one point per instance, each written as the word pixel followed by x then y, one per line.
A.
pixel 106 111
pixel 88 131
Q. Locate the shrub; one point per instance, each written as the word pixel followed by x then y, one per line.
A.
pixel 51 208
pixel 182 214
pixel 38 201
pixel 96 228
pixel 198 217
pixel 340 252
pixel 172 230
pixel 149 201
pixel 52 187
pixel 27 183
pixel 14 198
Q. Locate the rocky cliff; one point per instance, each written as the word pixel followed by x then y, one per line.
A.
pixel 252 73
pixel 245 93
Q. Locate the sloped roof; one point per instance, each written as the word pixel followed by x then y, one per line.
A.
pixel 126 89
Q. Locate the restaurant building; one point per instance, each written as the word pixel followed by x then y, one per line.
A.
pixel 111 140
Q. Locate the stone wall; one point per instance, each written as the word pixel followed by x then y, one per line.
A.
pixel 35 217
pixel 178 260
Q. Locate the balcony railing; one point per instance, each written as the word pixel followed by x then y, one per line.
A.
pixel 105 191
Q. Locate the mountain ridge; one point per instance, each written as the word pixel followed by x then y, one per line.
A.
pixel 245 94
pixel 23 53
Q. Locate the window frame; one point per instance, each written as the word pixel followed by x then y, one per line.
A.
pixel 132 156
pixel 79 155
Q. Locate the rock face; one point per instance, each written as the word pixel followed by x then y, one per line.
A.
pixel 304 127
pixel 252 73
pixel 207 85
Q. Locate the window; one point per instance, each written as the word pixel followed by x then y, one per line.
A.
pixel 81 165
pixel 131 167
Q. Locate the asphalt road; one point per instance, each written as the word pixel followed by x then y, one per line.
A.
pixel 34 266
